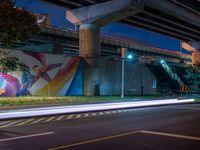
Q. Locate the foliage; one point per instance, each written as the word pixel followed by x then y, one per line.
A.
pixel 15 24
pixel 9 63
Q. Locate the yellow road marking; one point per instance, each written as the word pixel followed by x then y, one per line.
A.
pixel 59 118
pixel 107 112
pixel 94 114
pixel 101 113
pixel 5 122
pixel 24 122
pixel 86 115
pixel 70 116
pixel 38 120
pixel 10 124
pixel 171 135
pixel 78 116
pixel 95 140
pixel 49 119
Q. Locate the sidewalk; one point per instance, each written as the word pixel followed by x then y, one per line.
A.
pixel 56 110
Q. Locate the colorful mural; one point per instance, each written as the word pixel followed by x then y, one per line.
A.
pixel 45 75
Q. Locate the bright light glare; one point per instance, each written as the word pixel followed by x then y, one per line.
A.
pixel 130 56
pixel 162 61
pixel 86 108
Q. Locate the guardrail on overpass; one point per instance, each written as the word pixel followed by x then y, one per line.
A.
pixel 118 42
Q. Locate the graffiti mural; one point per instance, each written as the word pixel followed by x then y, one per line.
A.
pixel 45 75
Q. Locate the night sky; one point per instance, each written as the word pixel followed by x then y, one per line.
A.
pixel 57 15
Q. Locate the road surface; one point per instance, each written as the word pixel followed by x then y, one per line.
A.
pixel 171 127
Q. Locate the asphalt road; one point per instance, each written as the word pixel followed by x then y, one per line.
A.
pixel 154 128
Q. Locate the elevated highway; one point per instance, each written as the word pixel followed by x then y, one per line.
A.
pixel 175 18
pixel 59 40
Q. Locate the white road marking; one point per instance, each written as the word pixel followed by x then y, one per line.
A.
pixel 171 135
pixel 26 136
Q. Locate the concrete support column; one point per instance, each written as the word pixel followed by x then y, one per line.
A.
pixel 89 44
pixel 195 58
pixel 89 40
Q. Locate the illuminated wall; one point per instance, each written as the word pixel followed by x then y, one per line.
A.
pixel 46 75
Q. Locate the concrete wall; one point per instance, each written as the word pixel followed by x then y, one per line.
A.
pixel 57 75
pixel 136 75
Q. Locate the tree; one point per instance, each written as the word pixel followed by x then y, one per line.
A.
pixel 9 63
pixel 16 25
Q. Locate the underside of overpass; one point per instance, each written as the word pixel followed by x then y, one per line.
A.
pixel 156 19
pixel 179 19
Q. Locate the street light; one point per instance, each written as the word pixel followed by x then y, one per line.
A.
pixel 130 56
pixel 162 61
pixel 124 56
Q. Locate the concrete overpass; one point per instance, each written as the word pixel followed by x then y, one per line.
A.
pixel 54 39
pixel 176 18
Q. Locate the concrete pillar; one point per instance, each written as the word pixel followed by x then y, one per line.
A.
pixel 89 44
pixel 195 58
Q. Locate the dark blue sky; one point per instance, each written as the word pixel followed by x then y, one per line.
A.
pixel 57 15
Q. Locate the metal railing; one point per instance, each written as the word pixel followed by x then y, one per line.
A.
pixel 120 42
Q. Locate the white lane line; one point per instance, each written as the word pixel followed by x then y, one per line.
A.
pixel 26 136
pixel 59 118
pixel 24 122
pixel 171 135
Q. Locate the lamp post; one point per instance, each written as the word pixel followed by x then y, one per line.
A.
pixel 123 57
pixel 123 54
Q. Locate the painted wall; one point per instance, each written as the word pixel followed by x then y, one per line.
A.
pixel 57 75
pixel 46 75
